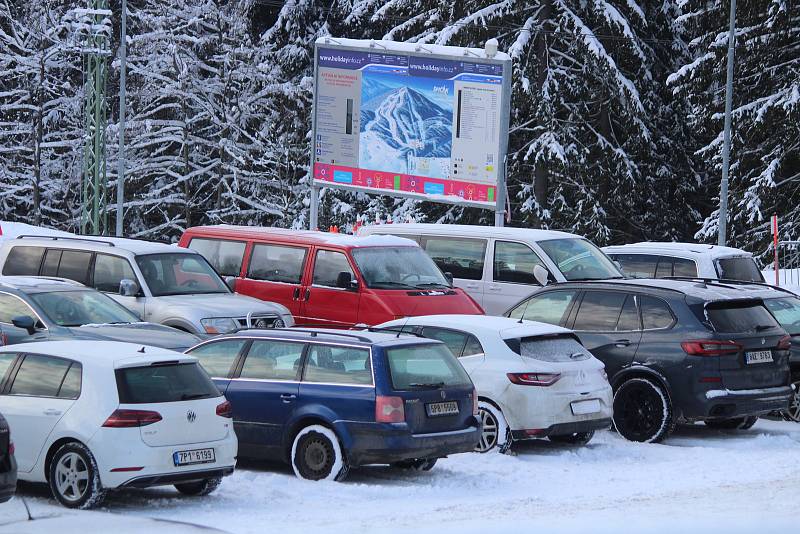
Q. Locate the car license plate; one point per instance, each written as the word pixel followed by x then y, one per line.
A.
pixel 585 407
pixel 442 408
pixel 197 456
pixel 759 356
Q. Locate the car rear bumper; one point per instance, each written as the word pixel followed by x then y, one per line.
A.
pixel 167 479
pixel 528 408
pixel 727 403
pixel 383 443
pixel 563 429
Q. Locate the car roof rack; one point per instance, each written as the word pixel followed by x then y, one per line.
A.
pixel 65 238
pixel 384 330
pixel 310 331
pixel 727 282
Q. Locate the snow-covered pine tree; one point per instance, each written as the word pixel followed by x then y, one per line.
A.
pixel 765 155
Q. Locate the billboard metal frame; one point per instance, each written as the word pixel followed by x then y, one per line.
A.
pixel 467 54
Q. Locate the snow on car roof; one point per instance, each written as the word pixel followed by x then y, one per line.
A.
pixel 113 354
pixel 136 246
pixel 469 230
pixel 308 236
pixel 485 325
pixel 714 251
pixel 11 230
pixel 38 282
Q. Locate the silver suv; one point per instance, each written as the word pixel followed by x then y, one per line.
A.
pixel 160 283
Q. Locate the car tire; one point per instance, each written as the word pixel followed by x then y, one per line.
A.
pixel 200 488
pixel 317 454
pixel 74 478
pixel 793 412
pixel 416 465
pixel 643 411
pixel 577 438
pixel 736 423
pixel 495 431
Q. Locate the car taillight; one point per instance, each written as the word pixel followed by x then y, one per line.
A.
pixel 475 402
pixel 389 409
pixel 225 409
pixel 710 348
pixel 785 343
pixel 131 418
pixel 534 379
pixel 11 449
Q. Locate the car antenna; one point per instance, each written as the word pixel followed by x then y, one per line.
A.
pixel 408 318
pixel 141 350
pixel 521 317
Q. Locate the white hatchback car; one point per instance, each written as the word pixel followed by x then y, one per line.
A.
pixel 534 380
pixel 89 416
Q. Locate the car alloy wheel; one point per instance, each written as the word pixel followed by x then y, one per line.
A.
pixel 72 477
pixel 793 412
pixel 642 411
pixel 494 430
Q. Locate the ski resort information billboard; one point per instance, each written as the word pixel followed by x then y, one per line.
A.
pixel 402 119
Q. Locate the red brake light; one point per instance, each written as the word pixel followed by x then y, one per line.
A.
pixel 785 343
pixel 11 449
pixel 389 409
pixel 475 402
pixel 131 418
pixel 225 409
pixel 534 379
pixel 710 348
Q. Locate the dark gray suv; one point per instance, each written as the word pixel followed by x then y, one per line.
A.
pixel 47 309
pixel 675 351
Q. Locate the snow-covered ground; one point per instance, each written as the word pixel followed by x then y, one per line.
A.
pixel 701 479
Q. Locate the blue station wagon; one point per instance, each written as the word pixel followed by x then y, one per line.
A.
pixel 326 400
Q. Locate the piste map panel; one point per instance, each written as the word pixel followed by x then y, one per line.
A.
pixel 408 123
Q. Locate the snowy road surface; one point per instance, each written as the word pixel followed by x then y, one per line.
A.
pixel 701 479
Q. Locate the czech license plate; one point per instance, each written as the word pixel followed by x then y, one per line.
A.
pixel 442 408
pixel 585 407
pixel 759 356
pixel 197 456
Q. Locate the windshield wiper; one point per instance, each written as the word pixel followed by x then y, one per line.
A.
pixel 377 285
pixel 431 385
pixel 432 284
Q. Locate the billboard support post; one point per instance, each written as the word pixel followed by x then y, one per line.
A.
pixel 401 119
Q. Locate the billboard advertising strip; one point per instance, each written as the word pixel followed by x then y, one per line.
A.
pixel 399 122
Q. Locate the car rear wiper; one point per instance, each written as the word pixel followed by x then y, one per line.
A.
pixel 762 327
pixel 431 385
pixel 192 396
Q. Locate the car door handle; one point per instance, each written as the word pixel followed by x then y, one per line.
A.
pixel 308 294
pixel 296 294
pixel 288 398
pixel 622 343
pixel 495 288
pixel 51 411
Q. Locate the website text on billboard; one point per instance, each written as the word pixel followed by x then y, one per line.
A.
pixel 404 123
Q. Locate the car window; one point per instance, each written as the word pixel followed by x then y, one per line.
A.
pixel 275 263
pixel 629 318
pixel 664 268
pixel 787 311
pixel 550 307
pixel 599 311
pixel 338 365
pixel 225 256
pixel 164 382
pixel 473 347
pixel 6 359
pixel 463 258
pixel 179 274
pixel 740 317
pixel 454 340
pixel 514 262
pixel 684 267
pixel 39 376
pixel 549 349
pixel 579 259
pixel 423 366
pixel 217 357
pixel 50 264
pixel 273 360
pixel 637 265
pixel 11 306
pixel 398 268
pixel 74 265
pixel 23 261
pixel 71 386
pixel 82 306
pixel 655 313
pixel 109 270
pixel 741 268
pixel 327 267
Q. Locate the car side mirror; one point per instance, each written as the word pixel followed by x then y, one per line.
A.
pixel 345 281
pixel 449 277
pixel 25 322
pixel 541 275
pixel 128 288
pixel 230 281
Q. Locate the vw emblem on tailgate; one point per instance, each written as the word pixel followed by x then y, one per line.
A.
pixel 763 341
pixel 191 416
pixel 443 394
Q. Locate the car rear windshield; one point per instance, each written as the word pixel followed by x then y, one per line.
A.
pixel 549 349
pixel 740 318
pixel 742 268
pixel 425 366
pixel 168 382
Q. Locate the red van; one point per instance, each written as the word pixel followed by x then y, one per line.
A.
pixel 328 279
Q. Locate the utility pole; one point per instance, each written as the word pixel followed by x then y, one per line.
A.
pixel 96 25
pixel 123 58
pixel 726 148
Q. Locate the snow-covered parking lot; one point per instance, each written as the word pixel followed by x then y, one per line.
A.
pixel 701 479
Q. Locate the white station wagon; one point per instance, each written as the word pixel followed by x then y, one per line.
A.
pixel 89 416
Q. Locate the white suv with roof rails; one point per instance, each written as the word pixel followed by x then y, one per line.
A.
pixel 685 260
pixel 89 416
pixel 160 283
pixel 498 266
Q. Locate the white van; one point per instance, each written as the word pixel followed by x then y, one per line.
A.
pixel 500 266
pixel 685 260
